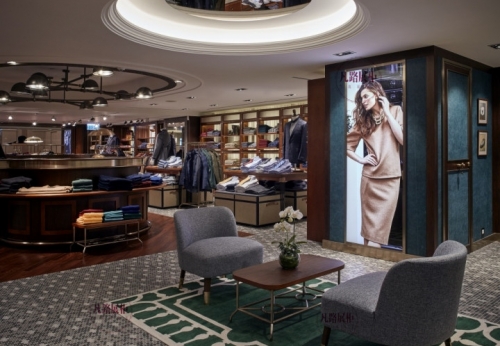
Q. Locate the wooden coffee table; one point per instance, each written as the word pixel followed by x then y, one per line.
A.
pixel 270 276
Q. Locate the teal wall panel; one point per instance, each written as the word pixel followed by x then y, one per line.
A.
pixel 458 208
pixel 416 156
pixel 458 106
pixel 482 166
pixel 338 160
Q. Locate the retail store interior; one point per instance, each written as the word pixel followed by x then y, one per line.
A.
pixel 318 153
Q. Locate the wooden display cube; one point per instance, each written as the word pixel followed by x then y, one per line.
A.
pixel 165 197
pixel 297 200
pixel 224 199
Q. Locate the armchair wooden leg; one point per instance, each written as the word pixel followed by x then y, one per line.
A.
pixel 447 342
pixel 206 290
pixel 181 280
pixel 326 336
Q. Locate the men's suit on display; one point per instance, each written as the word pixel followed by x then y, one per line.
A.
pixel 162 147
pixel 295 142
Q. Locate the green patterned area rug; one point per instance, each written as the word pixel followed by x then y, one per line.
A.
pixel 179 317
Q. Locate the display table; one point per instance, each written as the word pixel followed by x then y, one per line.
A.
pixel 106 240
pixel 46 219
pixel 279 178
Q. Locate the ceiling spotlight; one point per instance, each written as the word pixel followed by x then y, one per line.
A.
pixel 144 93
pixel 104 118
pixel 125 122
pixel 178 82
pixel 102 71
pixel 74 124
pixel 191 97
pixel 99 102
pixel 348 52
pixel 34 123
pixel 248 100
pixel 53 119
pixel 289 95
pixel 69 123
pixel 92 119
pixel 240 89
pixel 213 105
pixel 4 96
pixel 90 84
pixel 37 81
pixel 495 46
pixel 185 109
pixel 10 117
pixel 19 89
pixel 80 121
pixel 12 63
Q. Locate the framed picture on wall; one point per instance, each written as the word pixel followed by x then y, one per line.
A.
pixel 482 111
pixel 482 143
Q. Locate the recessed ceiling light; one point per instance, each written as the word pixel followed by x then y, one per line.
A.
pixel 184 109
pixel 191 97
pixel 10 117
pixel 153 104
pixel 248 100
pixel 240 89
pixel 213 105
pixel 34 123
pixel 12 63
pixel 53 119
pixel 289 95
pixel 170 101
pixel 495 46
pixel 104 118
pixel 348 52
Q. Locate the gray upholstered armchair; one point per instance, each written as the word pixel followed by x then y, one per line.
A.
pixel 208 245
pixel 415 303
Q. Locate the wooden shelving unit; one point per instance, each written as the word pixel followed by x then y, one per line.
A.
pixel 237 130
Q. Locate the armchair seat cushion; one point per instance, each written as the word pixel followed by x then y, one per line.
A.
pixel 221 255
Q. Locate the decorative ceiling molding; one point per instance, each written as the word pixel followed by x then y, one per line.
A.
pixel 309 27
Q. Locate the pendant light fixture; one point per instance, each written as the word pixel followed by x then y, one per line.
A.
pixel 90 84
pixel 99 102
pixel 37 81
pixel 4 96
pixel 102 71
pixel 19 89
pixel 144 93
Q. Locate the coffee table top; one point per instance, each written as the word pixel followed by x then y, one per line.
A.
pixel 271 276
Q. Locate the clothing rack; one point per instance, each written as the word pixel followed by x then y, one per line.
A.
pixel 193 146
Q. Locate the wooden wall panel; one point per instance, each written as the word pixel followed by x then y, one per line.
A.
pixel 317 162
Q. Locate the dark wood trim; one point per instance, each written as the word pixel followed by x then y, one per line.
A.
pixel 432 155
pixel 318 181
pixel 495 148
pixel 445 54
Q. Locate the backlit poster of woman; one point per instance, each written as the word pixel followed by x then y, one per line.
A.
pixel 374 168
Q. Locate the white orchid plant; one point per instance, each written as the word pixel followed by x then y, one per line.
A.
pixel 288 217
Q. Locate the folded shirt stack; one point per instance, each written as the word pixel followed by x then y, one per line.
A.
pixel 246 183
pixel 135 179
pixel 170 180
pixel 251 165
pixel 274 144
pixel 260 190
pixel 82 185
pixel 11 185
pixel 90 218
pixel 228 184
pixel 232 145
pixel 113 184
pixel 266 166
pixel 131 212
pixel 115 215
pixel 40 190
pixel 156 180
pixel 283 166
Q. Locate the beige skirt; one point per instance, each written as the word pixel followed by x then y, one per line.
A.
pixel 379 198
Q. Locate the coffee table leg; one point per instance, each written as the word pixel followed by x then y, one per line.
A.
pixel 271 329
pixel 338 278
pixel 237 300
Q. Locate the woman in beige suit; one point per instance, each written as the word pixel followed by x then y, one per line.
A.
pixel 380 125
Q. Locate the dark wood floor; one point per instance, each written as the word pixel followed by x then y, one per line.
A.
pixel 17 262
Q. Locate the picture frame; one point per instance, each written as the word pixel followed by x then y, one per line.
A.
pixel 482 111
pixel 482 143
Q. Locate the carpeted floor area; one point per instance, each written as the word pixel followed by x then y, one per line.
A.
pixel 64 308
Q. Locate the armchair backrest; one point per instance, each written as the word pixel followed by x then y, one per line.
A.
pixel 196 224
pixel 421 296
